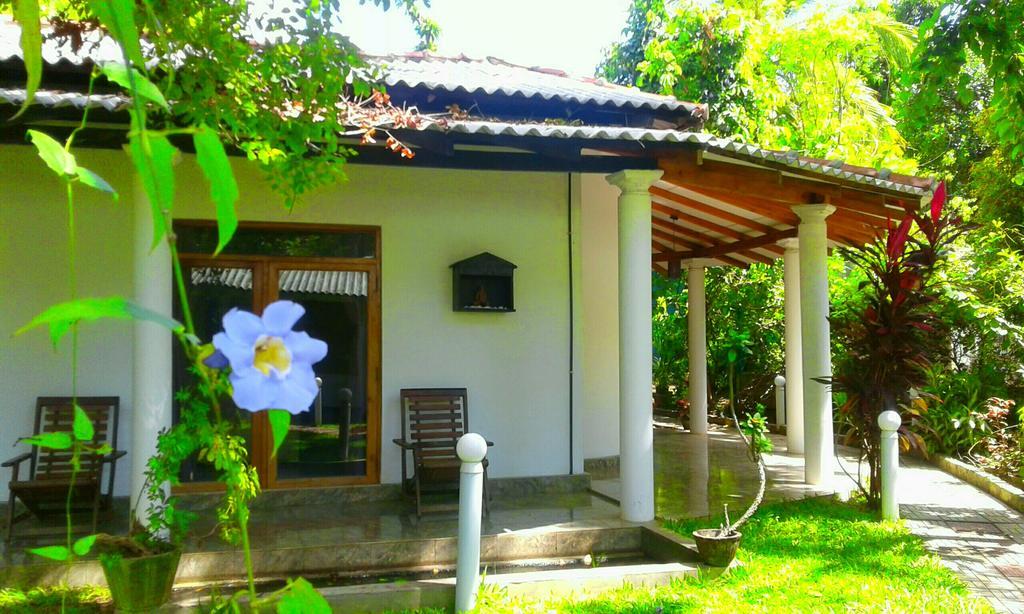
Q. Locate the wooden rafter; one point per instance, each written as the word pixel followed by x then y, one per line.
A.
pixel 707 209
pixel 660 247
pixel 726 248
pixel 685 170
pixel 703 238
pixel 841 228
pixel 698 221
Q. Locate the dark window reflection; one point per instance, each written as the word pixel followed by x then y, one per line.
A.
pixel 202 239
pixel 330 439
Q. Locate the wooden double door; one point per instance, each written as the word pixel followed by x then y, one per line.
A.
pixel 338 440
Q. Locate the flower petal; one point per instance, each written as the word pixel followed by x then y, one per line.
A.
pixel 240 355
pixel 304 348
pixel 252 391
pixel 280 316
pixel 294 395
pixel 243 326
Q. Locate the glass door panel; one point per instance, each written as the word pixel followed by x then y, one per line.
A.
pixel 212 292
pixel 331 439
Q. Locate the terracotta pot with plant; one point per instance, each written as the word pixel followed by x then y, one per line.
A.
pixel 717 547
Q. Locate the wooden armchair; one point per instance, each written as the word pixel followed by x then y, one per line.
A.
pixel 44 490
pixel 433 419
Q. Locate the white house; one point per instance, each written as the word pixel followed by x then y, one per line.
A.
pixel 584 186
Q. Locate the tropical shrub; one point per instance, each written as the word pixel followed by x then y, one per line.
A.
pixel 1004 448
pixel 950 414
pixel 892 343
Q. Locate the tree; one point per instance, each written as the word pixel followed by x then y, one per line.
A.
pixel 782 74
pixel 992 31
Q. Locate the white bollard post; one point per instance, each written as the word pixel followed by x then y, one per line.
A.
pixel 780 400
pixel 889 421
pixel 471 450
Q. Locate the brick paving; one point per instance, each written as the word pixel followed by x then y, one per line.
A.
pixel 975 535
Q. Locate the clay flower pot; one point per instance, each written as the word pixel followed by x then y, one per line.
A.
pixel 716 550
pixel 140 584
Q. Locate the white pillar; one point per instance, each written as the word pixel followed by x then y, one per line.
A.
pixel 471 450
pixel 819 442
pixel 151 347
pixel 636 421
pixel 794 368
pixel 889 421
pixel 697 346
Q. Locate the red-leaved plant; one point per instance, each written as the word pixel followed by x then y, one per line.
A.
pixel 893 341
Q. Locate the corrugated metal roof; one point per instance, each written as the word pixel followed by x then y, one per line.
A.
pixel 494 76
pixel 56 99
pixel 342 283
pixel 490 76
pixel 726 147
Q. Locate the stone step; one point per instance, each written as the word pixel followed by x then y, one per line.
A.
pixel 385 556
pixel 439 593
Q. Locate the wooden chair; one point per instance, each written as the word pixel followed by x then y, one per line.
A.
pixel 44 491
pixel 433 419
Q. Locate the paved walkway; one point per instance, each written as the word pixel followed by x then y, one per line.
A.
pixel 974 534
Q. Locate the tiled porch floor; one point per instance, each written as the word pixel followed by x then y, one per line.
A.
pixel 695 475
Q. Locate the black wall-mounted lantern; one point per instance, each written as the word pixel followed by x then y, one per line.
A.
pixel 483 283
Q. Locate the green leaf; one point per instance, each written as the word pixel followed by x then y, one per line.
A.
pixel 280 420
pixel 53 153
pixel 144 88
pixel 153 157
pixel 301 598
pixel 91 179
pixel 55 441
pixel 223 190
pixel 118 17
pixel 82 425
pixel 26 13
pixel 82 546
pixel 61 317
pixel 56 553
pixel 138 312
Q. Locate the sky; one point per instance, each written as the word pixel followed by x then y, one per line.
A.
pixel 565 34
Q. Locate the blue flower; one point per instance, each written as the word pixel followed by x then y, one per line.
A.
pixel 271 365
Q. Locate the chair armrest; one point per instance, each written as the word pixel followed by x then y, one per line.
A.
pixel 489 443
pixel 405 445
pixel 17 460
pixel 113 456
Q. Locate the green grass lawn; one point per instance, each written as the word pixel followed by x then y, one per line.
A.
pixel 807 556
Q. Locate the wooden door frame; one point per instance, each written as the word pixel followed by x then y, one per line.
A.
pixel 264 267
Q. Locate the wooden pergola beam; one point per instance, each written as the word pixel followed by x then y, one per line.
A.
pixel 666 249
pixel 707 209
pixel 841 228
pixel 703 238
pixel 684 169
pixel 726 248
pixel 697 221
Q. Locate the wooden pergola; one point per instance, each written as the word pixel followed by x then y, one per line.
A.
pixel 708 206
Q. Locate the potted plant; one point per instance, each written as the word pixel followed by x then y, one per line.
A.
pixel 140 567
pixel 717 547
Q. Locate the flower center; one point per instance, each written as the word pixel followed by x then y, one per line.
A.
pixel 271 353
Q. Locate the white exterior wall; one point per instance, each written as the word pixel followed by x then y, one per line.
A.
pixel 600 265
pixel 34 275
pixel 516 366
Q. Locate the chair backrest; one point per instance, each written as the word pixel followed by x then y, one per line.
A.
pixel 436 417
pixel 56 414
